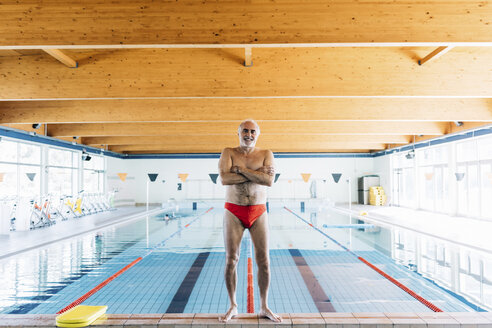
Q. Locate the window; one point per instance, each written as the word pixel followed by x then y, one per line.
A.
pixel 94 174
pixel 403 180
pixel 8 151
pixel 62 171
pixel 20 164
pixel 8 185
pixel 474 167
pixel 434 178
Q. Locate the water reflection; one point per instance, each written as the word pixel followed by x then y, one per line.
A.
pixel 463 271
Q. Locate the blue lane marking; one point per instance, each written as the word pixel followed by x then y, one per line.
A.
pixel 48 293
pixel 423 287
pixel 106 295
pixel 321 300
pixel 180 299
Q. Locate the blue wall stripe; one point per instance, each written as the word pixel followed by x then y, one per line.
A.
pixel 23 135
pixel 32 137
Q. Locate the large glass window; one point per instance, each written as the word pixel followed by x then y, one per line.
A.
pixel 29 180
pixel 474 165
pixel 403 180
pixel 486 194
pixel 8 183
pixel 29 154
pixel 8 151
pixel 454 178
pixel 20 165
pixel 62 171
pixel 433 178
pixel 94 172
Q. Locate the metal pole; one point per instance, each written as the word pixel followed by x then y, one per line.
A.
pixel 350 194
pixel 147 194
pixel 147 230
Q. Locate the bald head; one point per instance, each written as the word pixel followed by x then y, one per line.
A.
pixel 250 120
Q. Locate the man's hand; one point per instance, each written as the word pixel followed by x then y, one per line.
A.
pixel 267 169
pixel 235 169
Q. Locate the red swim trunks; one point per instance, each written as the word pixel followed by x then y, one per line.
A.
pixel 246 214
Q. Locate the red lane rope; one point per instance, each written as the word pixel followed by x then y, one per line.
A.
pixel 372 266
pixel 405 288
pixel 251 300
pixel 98 287
pixel 107 281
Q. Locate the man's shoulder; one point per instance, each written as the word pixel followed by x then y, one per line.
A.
pixel 265 152
pixel 229 151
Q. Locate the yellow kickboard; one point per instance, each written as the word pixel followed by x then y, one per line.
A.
pixel 80 316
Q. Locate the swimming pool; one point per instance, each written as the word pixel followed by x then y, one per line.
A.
pixel 315 262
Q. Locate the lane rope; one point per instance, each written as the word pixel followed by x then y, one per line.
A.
pixel 98 287
pixel 372 266
pixel 128 266
pixel 250 291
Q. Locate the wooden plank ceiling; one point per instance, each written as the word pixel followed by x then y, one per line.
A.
pixel 178 77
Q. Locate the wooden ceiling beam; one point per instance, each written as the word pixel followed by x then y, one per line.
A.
pixel 274 147
pixel 234 109
pixel 299 72
pixel 248 57
pixel 230 128
pixel 62 57
pixel 435 54
pixel 214 150
pixel 237 22
pixel 231 139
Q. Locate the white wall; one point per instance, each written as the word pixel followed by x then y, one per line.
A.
pixel 199 186
pixel 321 170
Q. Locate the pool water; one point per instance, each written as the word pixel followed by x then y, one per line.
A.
pixel 315 267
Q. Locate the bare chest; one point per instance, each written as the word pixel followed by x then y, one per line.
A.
pixel 250 162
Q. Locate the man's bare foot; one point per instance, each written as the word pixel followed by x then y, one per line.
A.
pixel 267 313
pixel 229 314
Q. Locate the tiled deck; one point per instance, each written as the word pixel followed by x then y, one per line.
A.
pixel 469 232
pixel 20 241
pixel 298 320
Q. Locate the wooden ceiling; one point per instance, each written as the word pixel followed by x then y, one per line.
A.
pixel 179 76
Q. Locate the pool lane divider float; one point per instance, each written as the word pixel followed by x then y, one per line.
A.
pixel 128 266
pixel 372 266
pixel 250 292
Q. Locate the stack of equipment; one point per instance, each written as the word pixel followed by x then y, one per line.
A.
pixel 377 196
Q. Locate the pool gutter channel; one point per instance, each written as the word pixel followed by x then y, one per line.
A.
pixel 247 320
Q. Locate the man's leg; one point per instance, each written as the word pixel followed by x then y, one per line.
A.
pixel 233 233
pixel 259 236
